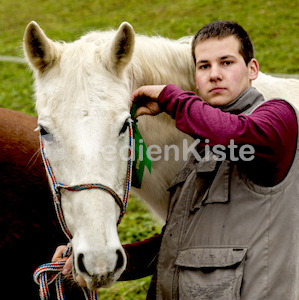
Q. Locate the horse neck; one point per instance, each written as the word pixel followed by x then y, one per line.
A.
pixel 161 61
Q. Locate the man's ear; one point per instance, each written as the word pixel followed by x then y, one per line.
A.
pixel 253 69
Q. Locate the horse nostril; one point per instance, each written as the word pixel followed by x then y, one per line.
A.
pixel 81 264
pixel 120 260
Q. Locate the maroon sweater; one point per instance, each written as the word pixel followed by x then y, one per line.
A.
pixel 271 129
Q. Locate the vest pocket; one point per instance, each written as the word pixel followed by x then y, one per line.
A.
pixel 211 273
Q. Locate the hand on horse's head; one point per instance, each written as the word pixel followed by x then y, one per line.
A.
pixel 147 99
pixel 67 269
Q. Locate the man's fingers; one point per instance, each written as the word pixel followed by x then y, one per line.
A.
pixel 146 99
pixel 135 95
pixel 68 266
pixel 142 111
pixel 147 91
pixel 58 253
pixel 58 257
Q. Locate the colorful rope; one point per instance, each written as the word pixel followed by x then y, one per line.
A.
pixel 41 273
pixel 55 269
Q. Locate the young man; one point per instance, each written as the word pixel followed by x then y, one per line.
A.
pixel 232 227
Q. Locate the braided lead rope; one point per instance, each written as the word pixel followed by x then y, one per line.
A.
pixel 41 278
pixel 40 274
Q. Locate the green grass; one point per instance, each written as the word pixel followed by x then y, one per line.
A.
pixel 16 87
pixel 272 24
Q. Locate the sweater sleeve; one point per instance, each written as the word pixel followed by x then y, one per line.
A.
pixel 141 258
pixel 271 129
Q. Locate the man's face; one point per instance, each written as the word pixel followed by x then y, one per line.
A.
pixel 221 73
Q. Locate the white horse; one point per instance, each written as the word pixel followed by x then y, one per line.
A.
pixel 82 92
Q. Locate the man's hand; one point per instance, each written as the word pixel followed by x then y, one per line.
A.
pixel 146 98
pixel 67 269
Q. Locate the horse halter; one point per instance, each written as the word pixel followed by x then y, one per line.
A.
pixel 41 273
pixel 57 186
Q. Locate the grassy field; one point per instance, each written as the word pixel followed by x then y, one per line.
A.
pixel 273 26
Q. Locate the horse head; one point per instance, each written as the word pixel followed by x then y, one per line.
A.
pixel 83 105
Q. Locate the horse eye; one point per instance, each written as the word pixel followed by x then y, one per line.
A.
pixel 42 131
pixel 124 128
pixel 45 134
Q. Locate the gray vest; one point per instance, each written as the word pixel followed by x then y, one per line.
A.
pixel 227 237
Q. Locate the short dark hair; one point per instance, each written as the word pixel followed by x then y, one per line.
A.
pixel 221 29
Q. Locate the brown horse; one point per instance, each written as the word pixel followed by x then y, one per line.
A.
pixel 29 232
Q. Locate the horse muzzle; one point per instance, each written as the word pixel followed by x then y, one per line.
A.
pixel 99 274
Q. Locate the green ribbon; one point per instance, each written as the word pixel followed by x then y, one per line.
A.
pixel 141 159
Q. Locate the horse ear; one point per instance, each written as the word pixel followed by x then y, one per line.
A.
pixel 39 50
pixel 122 47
